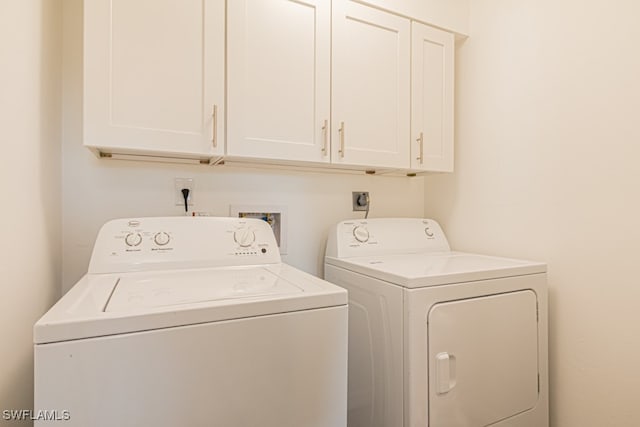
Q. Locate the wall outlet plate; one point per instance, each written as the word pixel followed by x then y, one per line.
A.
pixel 275 216
pixel 179 184
pixel 360 200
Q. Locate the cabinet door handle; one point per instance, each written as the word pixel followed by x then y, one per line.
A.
pixel 421 141
pixel 341 131
pixel 214 138
pixel 325 136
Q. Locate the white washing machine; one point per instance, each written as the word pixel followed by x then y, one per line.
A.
pixel 192 322
pixel 439 338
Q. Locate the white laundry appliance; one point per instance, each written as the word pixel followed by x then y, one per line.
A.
pixel 439 338
pixel 192 322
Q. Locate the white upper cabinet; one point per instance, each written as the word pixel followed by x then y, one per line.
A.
pixel 154 77
pixel 371 87
pixel 432 99
pixel 278 79
pixel 451 15
pixel 338 84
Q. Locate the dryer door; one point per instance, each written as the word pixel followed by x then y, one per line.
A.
pixel 483 359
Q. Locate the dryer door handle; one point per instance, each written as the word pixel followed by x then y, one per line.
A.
pixel 445 372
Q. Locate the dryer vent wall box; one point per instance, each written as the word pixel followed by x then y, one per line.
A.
pixel 439 338
pixel 199 307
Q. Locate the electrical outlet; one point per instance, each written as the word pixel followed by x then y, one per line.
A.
pixel 179 185
pixel 360 200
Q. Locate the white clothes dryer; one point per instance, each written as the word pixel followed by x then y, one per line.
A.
pixel 193 322
pixel 439 338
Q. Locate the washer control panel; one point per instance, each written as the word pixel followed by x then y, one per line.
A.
pixel 182 242
pixel 380 236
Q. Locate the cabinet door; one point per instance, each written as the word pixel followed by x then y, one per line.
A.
pixel 371 86
pixel 279 79
pixel 432 99
pixel 154 77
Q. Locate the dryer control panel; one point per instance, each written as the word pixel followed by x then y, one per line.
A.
pixel 381 236
pixel 182 242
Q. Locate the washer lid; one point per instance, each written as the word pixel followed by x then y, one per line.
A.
pixel 110 304
pixel 432 269
pixel 135 292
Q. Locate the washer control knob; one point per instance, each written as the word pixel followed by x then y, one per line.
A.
pixel 244 237
pixel 361 234
pixel 428 232
pixel 133 239
pixel 161 238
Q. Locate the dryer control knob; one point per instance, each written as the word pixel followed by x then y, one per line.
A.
pixel 361 234
pixel 428 232
pixel 161 238
pixel 133 239
pixel 244 237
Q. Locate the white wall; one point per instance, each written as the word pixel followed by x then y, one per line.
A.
pixel 97 190
pixel 548 167
pixel 30 75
